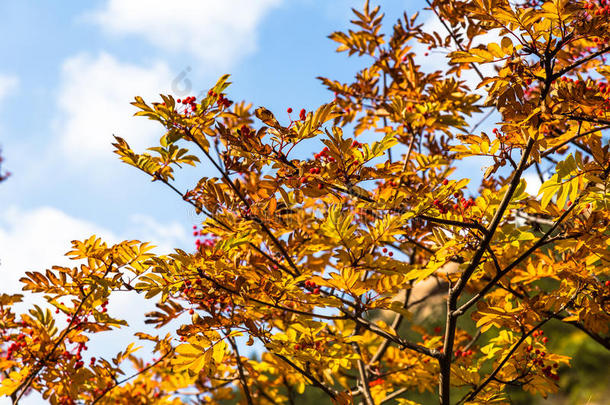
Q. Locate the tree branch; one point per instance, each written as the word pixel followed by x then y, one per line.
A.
pixel 580 62
pixel 331 393
pixel 240 369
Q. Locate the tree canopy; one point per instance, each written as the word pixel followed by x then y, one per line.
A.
pixel 369 271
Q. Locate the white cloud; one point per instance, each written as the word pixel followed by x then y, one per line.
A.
pixel 37 239
pixel 94 97
pixel 216 32
pixel 8 84
pixel 165 237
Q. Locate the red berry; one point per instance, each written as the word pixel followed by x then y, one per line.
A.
pixel 445 182
pixel 289 110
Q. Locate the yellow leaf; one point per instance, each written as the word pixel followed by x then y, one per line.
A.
pixel 495 50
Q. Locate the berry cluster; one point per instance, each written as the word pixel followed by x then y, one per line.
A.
pixel 213 303
pixel 465 353
pixel 461 205
pixel 598 8
pixel 604 89
pixel 302 113
pixel 189 102
pixel 18 343
pixel 323 155
pixel 208 241
pixel 80 346
pixel 104 306
pixel 538 357
pixel 385 250
pixel 390 183
pixel 186 288
pixel 222 100
pixel 312 287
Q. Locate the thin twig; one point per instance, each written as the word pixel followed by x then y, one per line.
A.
pixel 124 380
pixel 580 62
pixel 240 369
pixel 309 376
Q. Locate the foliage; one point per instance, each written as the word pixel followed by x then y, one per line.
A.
pixel 335 266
